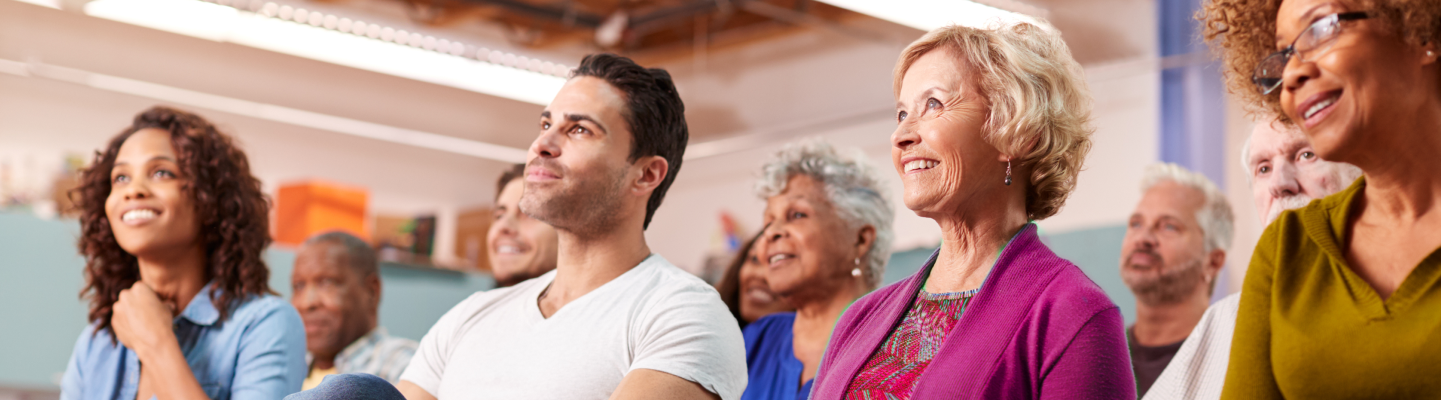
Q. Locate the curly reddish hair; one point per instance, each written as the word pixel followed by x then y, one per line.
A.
pixel 233 214
pixel 1244 32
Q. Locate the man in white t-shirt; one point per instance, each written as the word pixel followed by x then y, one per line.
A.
pixel 613 320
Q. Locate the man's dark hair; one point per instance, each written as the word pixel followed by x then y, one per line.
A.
pixel 515 172
pixel 358 254
pixel 654 112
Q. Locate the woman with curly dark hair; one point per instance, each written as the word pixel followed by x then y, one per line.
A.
pixel 172 230
pixel 1343 296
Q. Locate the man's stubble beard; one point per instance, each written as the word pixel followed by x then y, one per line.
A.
pixel 585 208
pixel 1171 286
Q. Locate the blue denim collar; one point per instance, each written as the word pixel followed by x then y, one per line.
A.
pixel 201 310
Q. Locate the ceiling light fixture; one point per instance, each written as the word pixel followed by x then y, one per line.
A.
pixel 931 14
pixel 265 111
pixel 357 44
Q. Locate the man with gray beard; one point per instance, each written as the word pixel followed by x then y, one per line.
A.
pixel 1285 174
pixel 1175 246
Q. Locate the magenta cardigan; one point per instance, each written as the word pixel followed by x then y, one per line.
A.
pixel 1038 329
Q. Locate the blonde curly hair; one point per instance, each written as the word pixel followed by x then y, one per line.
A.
pixel 1244 32
pixel 1040 106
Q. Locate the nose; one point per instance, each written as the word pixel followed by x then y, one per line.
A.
pixel 771 233
pixel 905 135
pixel 305 299
pixel 506 224
pixel 1283 181
pixel 546 145
pixel 1144 238
pixel 136 189
pixel 1298 72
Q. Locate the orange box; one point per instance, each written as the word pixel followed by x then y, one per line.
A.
pixel 303 209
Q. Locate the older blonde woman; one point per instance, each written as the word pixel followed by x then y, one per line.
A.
pixel 992 127
pixel 1343 296
pixel 827 237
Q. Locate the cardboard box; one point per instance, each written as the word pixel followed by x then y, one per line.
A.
pixel 307 208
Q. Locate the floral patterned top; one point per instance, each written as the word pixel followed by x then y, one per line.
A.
pixel 892 371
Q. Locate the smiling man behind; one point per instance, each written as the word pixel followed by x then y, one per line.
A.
pixel 613 320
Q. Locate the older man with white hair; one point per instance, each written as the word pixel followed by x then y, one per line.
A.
pixel 1175 246
pixel 1284 173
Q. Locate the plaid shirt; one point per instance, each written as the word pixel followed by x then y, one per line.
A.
pixel 376 353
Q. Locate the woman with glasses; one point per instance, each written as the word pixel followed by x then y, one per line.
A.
pixel 1343 297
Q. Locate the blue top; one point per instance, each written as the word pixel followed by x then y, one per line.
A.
pixel 258 352
pixel 774 369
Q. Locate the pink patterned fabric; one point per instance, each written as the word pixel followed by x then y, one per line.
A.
pixel 892 371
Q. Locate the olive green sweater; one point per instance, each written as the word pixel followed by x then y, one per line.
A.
pixel 1309 327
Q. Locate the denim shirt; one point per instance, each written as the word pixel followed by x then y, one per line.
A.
pixel 257 352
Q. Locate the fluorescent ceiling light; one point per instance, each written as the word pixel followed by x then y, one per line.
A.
pixel 226 24
pixel 267 112
pixel 43 3
pixel 931 14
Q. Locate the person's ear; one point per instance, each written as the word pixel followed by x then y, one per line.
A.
pixel 373 284
pixel 865 240
pixel 653 170
pixel 1215 261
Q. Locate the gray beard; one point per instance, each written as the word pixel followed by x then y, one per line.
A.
pixel 586 208
pixel 1280 204
pixel 1170 287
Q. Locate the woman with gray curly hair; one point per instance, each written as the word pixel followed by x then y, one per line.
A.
pixel 826 240
pixel 992 127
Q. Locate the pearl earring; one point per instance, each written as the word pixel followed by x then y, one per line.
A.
pixel 857 271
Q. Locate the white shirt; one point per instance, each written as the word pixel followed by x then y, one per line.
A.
pixel 1198 371
pixel 496 344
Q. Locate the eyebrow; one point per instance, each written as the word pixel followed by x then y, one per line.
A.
pixel 1305 17
pixel 923 94
pixel 579 118
pixel 163 158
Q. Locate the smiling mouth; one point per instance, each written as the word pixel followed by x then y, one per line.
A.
pixel 920 165
pixel 508 249
pixel 1321 105
pixel 778 258
pixel 138 215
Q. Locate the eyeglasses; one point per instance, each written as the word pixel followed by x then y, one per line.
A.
pixel 1270 71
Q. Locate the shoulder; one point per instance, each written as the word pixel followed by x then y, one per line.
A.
pixel 267 309
pixel 1071 291
pixel 1069 301
pixel 863 312
pixel 92 343
pixel 769 325
pixel 659 286
pixel 659 274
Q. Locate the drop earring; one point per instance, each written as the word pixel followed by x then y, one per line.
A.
pixel 857 271
pixel 1008 173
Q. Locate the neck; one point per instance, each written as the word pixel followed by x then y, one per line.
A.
pixel 1163 324
pixel 971 243
pixel 1402 175
pixel 586 261
pixel 816 318
pixel 176 278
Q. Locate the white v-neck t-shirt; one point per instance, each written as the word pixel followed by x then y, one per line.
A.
pixel 496 344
